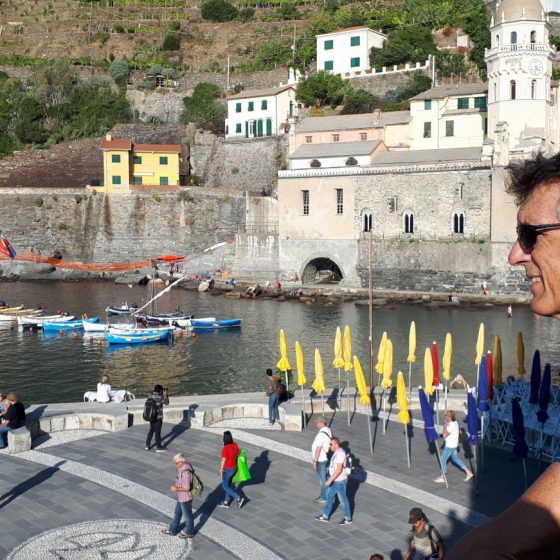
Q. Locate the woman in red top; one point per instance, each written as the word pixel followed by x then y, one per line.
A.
pixel 228 469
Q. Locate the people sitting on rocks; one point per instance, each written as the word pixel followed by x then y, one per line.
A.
pixel 296 292
pixel 254 291
pixel 104 390
pixel 277 286
pixel 454 300
pixel 13 419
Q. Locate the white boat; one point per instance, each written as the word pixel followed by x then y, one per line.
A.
pixel 94 327
pixel 12 317
pixel 30 321
pixel 186 323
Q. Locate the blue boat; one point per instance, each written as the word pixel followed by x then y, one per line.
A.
pixel 68 325
pixel 115 336
pixel 201 324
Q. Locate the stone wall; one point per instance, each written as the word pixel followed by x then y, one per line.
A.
pixel 115 228
pixel 164 105
pixel 379 84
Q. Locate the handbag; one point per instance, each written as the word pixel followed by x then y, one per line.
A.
pixel 243 473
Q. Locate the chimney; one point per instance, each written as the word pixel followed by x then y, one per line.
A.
pixel 108 137
pixel 377 117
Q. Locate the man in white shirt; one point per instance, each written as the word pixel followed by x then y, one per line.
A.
pixel 319 450
pixel 451 436
pixel 104 390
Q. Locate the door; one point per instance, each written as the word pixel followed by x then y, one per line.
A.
pixel 259 128
pixel 269 127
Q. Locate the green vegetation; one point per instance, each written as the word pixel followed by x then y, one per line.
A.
pixel 218 10
pixel 406 44
pixel 120 70
pixel 204 108
pixel 171 42
pixel 322 89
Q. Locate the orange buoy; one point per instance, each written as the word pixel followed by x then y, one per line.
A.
pixel 181 333
pixel 193 335
pixel 61 332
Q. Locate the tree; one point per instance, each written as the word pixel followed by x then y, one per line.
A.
pixel 407 44
pixel 246 14
pixel 321 89
pixel 30 132
pixel 218 10
pixel 273 53
pixel 476 26
pixel 204 108
pixel 288 11
pixel 120 71
pixel 450 63
pixel 359 101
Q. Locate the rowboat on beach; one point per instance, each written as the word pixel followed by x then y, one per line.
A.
pixel 200 324
pixel 68 325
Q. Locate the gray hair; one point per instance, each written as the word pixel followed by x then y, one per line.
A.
pixel 321 420
pixel 179 457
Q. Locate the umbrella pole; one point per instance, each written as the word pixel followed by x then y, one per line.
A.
pixel 409 385
pixel 287 385
pixel 475 468
pixel 384 414
pixel 323 402
pixel 525 472
pixel 369 430
pixel 407 444
pixel 348 395
pixel 437 408
pixel 540 449
pixel 476 386
pixel 303 401
pixel 482 442
pixel 445 394
pixel 441 465
pixel 339 391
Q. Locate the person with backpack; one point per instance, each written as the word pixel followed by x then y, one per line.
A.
pixel 153 413
pixel 426 539
pixel 336 484
pixel 273 392
pixel 228 468
pixel 182 488
pixel 319 450
pixel 451 434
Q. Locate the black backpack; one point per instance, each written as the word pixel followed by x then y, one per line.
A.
pixel 150 413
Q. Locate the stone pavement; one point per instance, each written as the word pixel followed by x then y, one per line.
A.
pixel 92 495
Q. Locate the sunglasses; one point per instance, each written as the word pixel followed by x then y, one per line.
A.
pixel 527 234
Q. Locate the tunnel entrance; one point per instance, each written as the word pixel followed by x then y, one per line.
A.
pixel 321 271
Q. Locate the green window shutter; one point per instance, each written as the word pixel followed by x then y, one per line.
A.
pixel 137 160
pixel 116 180
pixel 137 180
pixel 463 103
pixel 355 62
pixel 238 128
pixel 329 45
pixel 355 41
pixel 480 103
pixel 251 106
pixel 264 104
pixel 164 180
pixel 329 65
pixel 115 158
pixel 163 160
pixel 427 104
pixel 449 128
pixel 238 107
pixel 269 127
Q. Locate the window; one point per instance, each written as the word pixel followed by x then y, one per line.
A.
pixel 251 106
pixel 315 163
pixel 137 160
pixel 408 222
pixel 238 128
pixel 329 45
pixel 486 126
pixel 238 107
pixel 355 41
pixel 463 103
pixel 533 88
pixel 329 65
pixel 513 37
pixel 495 92
pixel 116 179
pixel 449 128
pixel 367 222
pixel 137 180
pixel 305 200
pixel 163 160
pixel 533 37
pixel 363 136
pixel 498 40
pixel 427 104
pixel 458 222
pixel 427 130
pixel 115 158
pixel 480 103
pixel 335 137
pixel 164 180
pixel 355 62
pixel 351 161
pixel 512 89
pixel 308 139
pixel 339 201
pixel 264 104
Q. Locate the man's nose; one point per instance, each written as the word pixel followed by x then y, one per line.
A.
pixel 517 256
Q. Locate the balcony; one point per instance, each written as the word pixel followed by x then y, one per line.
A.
pixel 540 47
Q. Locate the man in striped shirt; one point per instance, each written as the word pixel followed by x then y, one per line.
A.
pixel 182 488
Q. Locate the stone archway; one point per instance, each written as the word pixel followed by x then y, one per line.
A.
pixel 321 270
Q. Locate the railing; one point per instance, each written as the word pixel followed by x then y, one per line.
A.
pixel 541 47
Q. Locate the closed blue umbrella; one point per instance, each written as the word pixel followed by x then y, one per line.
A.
pixel 429 429
pixel 520 448
pixel 544 395
pixel 483 404
pixel 472 419
pixel 535 378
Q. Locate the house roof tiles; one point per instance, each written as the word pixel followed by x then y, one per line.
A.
pixel 175 148
pixel 452 90
pixel 351 122
pixel 427 156
pixel 245 94
pixel 336 149
pixel 117 144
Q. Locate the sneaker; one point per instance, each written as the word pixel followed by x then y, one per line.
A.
pixel 319 500
pixel 240 502
pixel 468 476
pixel 345 521
pixel 223 505
pixel 161 450
pixel 147 448
pixel 439 479
pixel 322 518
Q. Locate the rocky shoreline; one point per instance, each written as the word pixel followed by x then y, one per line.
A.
pixel 314 294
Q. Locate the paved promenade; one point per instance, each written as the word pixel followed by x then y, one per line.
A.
pixel 86 494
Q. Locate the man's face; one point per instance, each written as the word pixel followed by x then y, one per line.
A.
pixel 542 264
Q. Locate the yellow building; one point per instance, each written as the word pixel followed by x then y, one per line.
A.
pixel 126 164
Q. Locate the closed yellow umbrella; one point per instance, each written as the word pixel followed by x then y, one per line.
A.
pixel 428 373
pixel 381 354
pixel 301 380
pixel 520 354
pixel 447 357
pixel 387 382
pixel 479 345
pixel 412 343
pixel 361 382
pixel 319 382
pixel 403 415
pixel 338 359
pixel 284 363
pixel 497 362
pixel 347 349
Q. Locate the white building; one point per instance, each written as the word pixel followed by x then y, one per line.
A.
pixel 338 154
pixel 262 112
pixel 347 51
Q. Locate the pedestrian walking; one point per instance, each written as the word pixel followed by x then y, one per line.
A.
pixel 319 450
pixel 451 435
pixel 336 484
pixel 426 539
pixel 509 311
pixel 228 468
pixel 273 392
pixel 182 488
pixel 155 403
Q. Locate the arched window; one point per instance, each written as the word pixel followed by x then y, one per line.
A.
pixel 497 40
pixel 495 94
pixel 315 163
pixel 367 221
pixel 512 89
pixel 408 222
pixel 458 222
pixel 533 37
pixel 351 161
pixel 513 37
pixel 533 88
